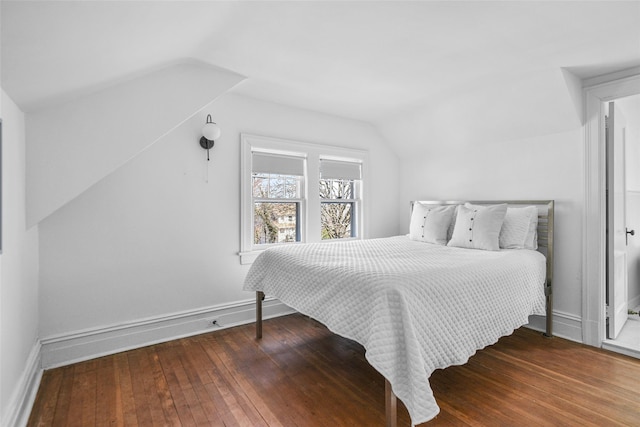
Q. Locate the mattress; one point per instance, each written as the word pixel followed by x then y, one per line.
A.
pixel 415 307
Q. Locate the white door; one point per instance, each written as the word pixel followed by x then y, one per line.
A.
pixel 616 223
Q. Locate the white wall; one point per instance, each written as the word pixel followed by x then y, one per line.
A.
pixel 544 167
pixel 73 145
pixel 19 347
pixel 155 237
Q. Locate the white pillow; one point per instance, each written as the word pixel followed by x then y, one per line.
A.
pixel 430 224
pixel 478 227
pixel 519 228
pixel 531 242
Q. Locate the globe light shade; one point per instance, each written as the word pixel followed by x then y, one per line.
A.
pixel 211 131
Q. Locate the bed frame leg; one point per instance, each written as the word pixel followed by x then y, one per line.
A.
pixel 391 405
pixel 549 294
pixel 259 299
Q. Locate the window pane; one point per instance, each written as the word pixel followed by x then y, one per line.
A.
pixel 336 189
pixel 291 188
pixel 275 222
pixel 260 185
pixel 336 220
pixel 274 186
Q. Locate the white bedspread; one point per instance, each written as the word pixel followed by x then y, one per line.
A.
pixel 415 307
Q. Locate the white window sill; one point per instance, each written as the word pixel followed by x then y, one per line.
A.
pixel 248 257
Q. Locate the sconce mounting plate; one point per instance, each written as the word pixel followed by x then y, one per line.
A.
pixel 206 143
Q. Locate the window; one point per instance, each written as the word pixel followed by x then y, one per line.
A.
pixel 276 187
pixel 294 192
pixel 339 192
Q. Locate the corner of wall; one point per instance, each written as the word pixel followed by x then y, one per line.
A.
pixel 18 410
pixel 19 343
pixel 574 88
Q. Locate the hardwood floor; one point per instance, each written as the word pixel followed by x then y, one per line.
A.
pixel 300 374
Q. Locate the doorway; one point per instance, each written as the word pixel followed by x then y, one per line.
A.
pixel 622 295
pixel 597 93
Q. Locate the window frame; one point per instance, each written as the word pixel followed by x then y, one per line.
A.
pixel 301 206
pixel 356 208
pixel 310 203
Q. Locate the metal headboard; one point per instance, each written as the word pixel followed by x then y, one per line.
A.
pixel 545 238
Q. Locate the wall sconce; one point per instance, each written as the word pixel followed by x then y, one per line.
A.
pixel 210 132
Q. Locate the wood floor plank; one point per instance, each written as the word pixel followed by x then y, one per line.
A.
pixel 196 393
pixel 300 374
pixel 343 369
pixel 220 390
pixel 584 393
pixel 241 384
pixel 270 381
pixel 194 359
pixel 47 400
pixel 71 414
pixel 106 411
pixel 522 393
pixel 198 358
pixel 141 400
pixel 125 406
pixel 176 405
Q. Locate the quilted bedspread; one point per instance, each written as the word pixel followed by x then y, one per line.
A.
pixel 415 307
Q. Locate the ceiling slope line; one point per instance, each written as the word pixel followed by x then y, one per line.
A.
pixel 73 147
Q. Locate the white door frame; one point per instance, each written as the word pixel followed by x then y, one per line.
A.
pixel 594 239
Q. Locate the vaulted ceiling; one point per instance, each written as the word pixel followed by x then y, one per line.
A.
pixel 425 74
pixel 364 60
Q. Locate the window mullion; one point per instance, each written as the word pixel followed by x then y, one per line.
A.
pixel 313 220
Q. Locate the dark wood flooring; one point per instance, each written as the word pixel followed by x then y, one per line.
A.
pixel 300 374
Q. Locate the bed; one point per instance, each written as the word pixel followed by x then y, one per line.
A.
pixel 426 300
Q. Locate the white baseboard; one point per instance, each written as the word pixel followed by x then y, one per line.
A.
pixel 24 395
pixel 88 344
pixel 565 325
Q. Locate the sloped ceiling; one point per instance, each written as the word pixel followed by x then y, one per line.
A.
pixel 364 60
pixel 73 145
pixel 536 103
pixel 423 73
